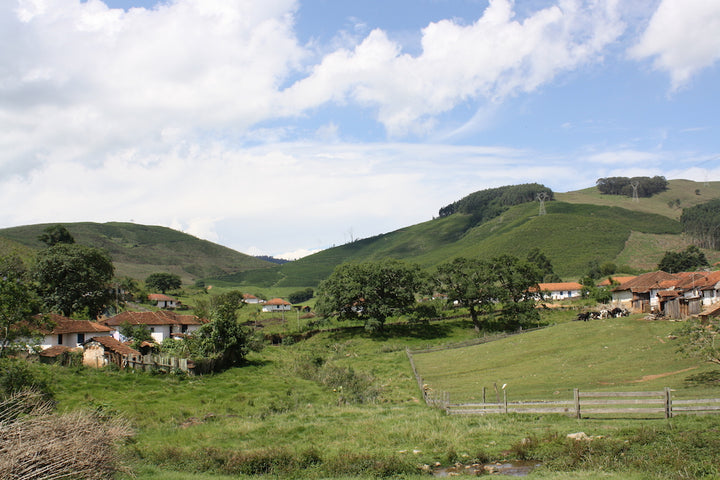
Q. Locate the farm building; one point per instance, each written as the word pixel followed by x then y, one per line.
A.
pixel 163 301
pixel 101 351
pixel 71 333
pixel 561 290
pixel 277 305
pixel 162 324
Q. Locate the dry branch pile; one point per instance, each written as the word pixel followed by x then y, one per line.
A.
pixel 36 443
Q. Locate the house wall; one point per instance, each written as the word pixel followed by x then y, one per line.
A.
pixel 623 297
pixel 94 356
pixel 563 294
pixel 277 308
pixel 69 339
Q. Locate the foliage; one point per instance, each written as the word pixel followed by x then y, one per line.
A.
pixel 647 186
pixel 17 305
pixel 370 291
pixel 301 295
pixel 137 334
pixel 74 278
pixel 223 340
pixel 518 283
pixel 163 281
pixel 471 283
pixel 702 223
pixel 55 234
pixel 700 341
pixel 16 377
pixel 689 259
pixel 487 204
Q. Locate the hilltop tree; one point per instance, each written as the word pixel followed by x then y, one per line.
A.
pixel 163 281
pixel 55 234
pixel 470 282
pixel 74 278
pixel 537 257
pixel 370 291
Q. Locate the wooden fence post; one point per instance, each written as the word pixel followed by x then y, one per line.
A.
pixel 668 403
pixel 576 395
pixel 484 395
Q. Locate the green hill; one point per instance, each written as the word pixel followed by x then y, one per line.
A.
pixel 138 250
pixel 579 227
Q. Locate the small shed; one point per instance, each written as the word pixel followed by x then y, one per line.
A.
pixel 101 351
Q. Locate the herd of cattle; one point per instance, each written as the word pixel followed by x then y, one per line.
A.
pixel 615 312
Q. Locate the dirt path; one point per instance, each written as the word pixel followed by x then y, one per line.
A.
pixel 647 378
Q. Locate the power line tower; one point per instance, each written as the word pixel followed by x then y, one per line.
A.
pixel 542 196
pixel 635 184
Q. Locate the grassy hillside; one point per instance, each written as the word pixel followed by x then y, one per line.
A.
pixel 616 354
pixel 683 190
pixel 579 227
pixel 138 250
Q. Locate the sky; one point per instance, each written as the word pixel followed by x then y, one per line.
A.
pixel 284 127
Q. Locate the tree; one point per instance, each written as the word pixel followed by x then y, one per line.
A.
pixel 163 281
pixel 301 295
pixel 17 305
pixel 136 334
pixel 371 291
pixel 690 259
pixel 470 282
pixel 537 257
pixel 51 236
pixel 700 341
pixel 518 286
pixel 74 278
pixel 223 339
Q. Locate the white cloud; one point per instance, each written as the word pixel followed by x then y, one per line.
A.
pixel 682 38
pixel 490 59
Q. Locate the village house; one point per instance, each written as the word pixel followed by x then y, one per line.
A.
pixel 674 295
pixel 561 290
pixel 163 301
pixel 248 298
pixel 162 324
pixel 277 305
pixel 71 333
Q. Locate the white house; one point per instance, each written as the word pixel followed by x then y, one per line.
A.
pixel 162 324
pixel 71 333
pixel 163 301
pixel 248 298
pixel 561 290
pixel 277 305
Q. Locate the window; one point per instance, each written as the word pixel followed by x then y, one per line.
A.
pixel 60 339
pixel 81 338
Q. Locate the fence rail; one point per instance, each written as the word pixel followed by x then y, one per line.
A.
pixel 654 403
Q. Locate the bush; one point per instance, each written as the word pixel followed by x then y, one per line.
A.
pixel 16 377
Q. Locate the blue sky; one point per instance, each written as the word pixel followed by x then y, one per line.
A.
pixel 287 126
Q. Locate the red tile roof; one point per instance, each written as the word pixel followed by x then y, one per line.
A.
pixel 645 282
pixel 161 317
pixel 277 301
pixel 620 280
pixel 560 286
pixel 159 297
pixel 114 345
pixel 54 351
pixel 65 325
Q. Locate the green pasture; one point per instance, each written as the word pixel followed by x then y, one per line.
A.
pixel 617 354
pixel 345 404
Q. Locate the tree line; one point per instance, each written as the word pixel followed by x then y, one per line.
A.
pixel 488 204
pixel 502 290
pixel 646 186
pixel 702 223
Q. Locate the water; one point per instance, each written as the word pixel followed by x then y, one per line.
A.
pixel 511 469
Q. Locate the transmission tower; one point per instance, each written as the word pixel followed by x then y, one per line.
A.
pixel 635 184
pixel 542 196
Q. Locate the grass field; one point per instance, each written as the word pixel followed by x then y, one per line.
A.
pixel 345 404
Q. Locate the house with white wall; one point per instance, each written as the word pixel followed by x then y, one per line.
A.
pixel 277 305
pixel 71 333
pixel 162 324
pixel 561 290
